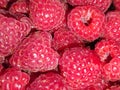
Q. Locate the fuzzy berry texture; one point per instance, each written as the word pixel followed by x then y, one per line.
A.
pixel 20 6
pixel 12 32
pixel 80 67
pixel 46 14
pixel 107 49
pixel 14 79
pixel 35 54
pixel 48 81
pixel 103 5
pixel 87 22
pixel 112 26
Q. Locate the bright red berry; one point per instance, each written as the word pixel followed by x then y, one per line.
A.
pixel 46 14
pixel 80 67
pixel 107 49
pixel 111 70
pixel 48 81
pixel 86 21
pixel 64 38
pixel 35 53
pixel 12 33
pixel 3 3
pixel 116 4
pixel 112 26
pixel 20 6
pixel 103 5
pixel 14 79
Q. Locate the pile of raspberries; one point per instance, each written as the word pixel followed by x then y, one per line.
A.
pixel 59 44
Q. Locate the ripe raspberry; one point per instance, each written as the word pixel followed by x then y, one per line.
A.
pixel 14 79
pixel 3 3
pixel 116 87
pixel 103 5
pixel 20 6
pixel 63 38
pixel 86 21
pixel 48 81
pixel 80 67
pixel 35 54
pixel 112 26
pixel 107 49
pixel 12 35
pixel 46 14
pixel 116 4
pixel 1 67
pixel 111 71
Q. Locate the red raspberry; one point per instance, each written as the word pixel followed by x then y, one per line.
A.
pixel 80 67
pixel 3 3
pixel 103 5
pixel 87 21
pixel 35 53
pixel 1 67
pixel 112 26
pixel 116 87
pixel 46 14
pixel 12 35
pixel 116 4
pixel 14 79
pixel 111 70
pixel 48 81
pixel 107 49
pixel 20 6
pixel 63 38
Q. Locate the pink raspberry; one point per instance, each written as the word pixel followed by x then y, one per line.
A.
pixel 48 81
pixel 3 3
pixel 111 70
pixel 87 22
pixel 107 49
pixel 20 6
pixel 80 67
pixel 12 32
pixel 64 38
pixel 103 5
pixel 116 4
pixel 14 79
pixel 46 14
pixel 112 26
pixel 35 53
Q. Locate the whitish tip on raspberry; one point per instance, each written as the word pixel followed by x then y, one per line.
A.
pixel 87 22
pixel 48 81
pixel 80 67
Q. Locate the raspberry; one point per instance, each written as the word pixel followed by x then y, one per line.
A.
pixel 80 67
pixel 103 5
pixel 64 38
pixel 48 81
pixel 107 49
pixel 46 14
pixel 112 26
pixel 14 79
pixel 35 54
pixel 116 4
pixel 12 35
pixel 116 87
pixel 3 3
pixel 1 67
pixel 111 70
pixel 20 6
pixel 86 21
